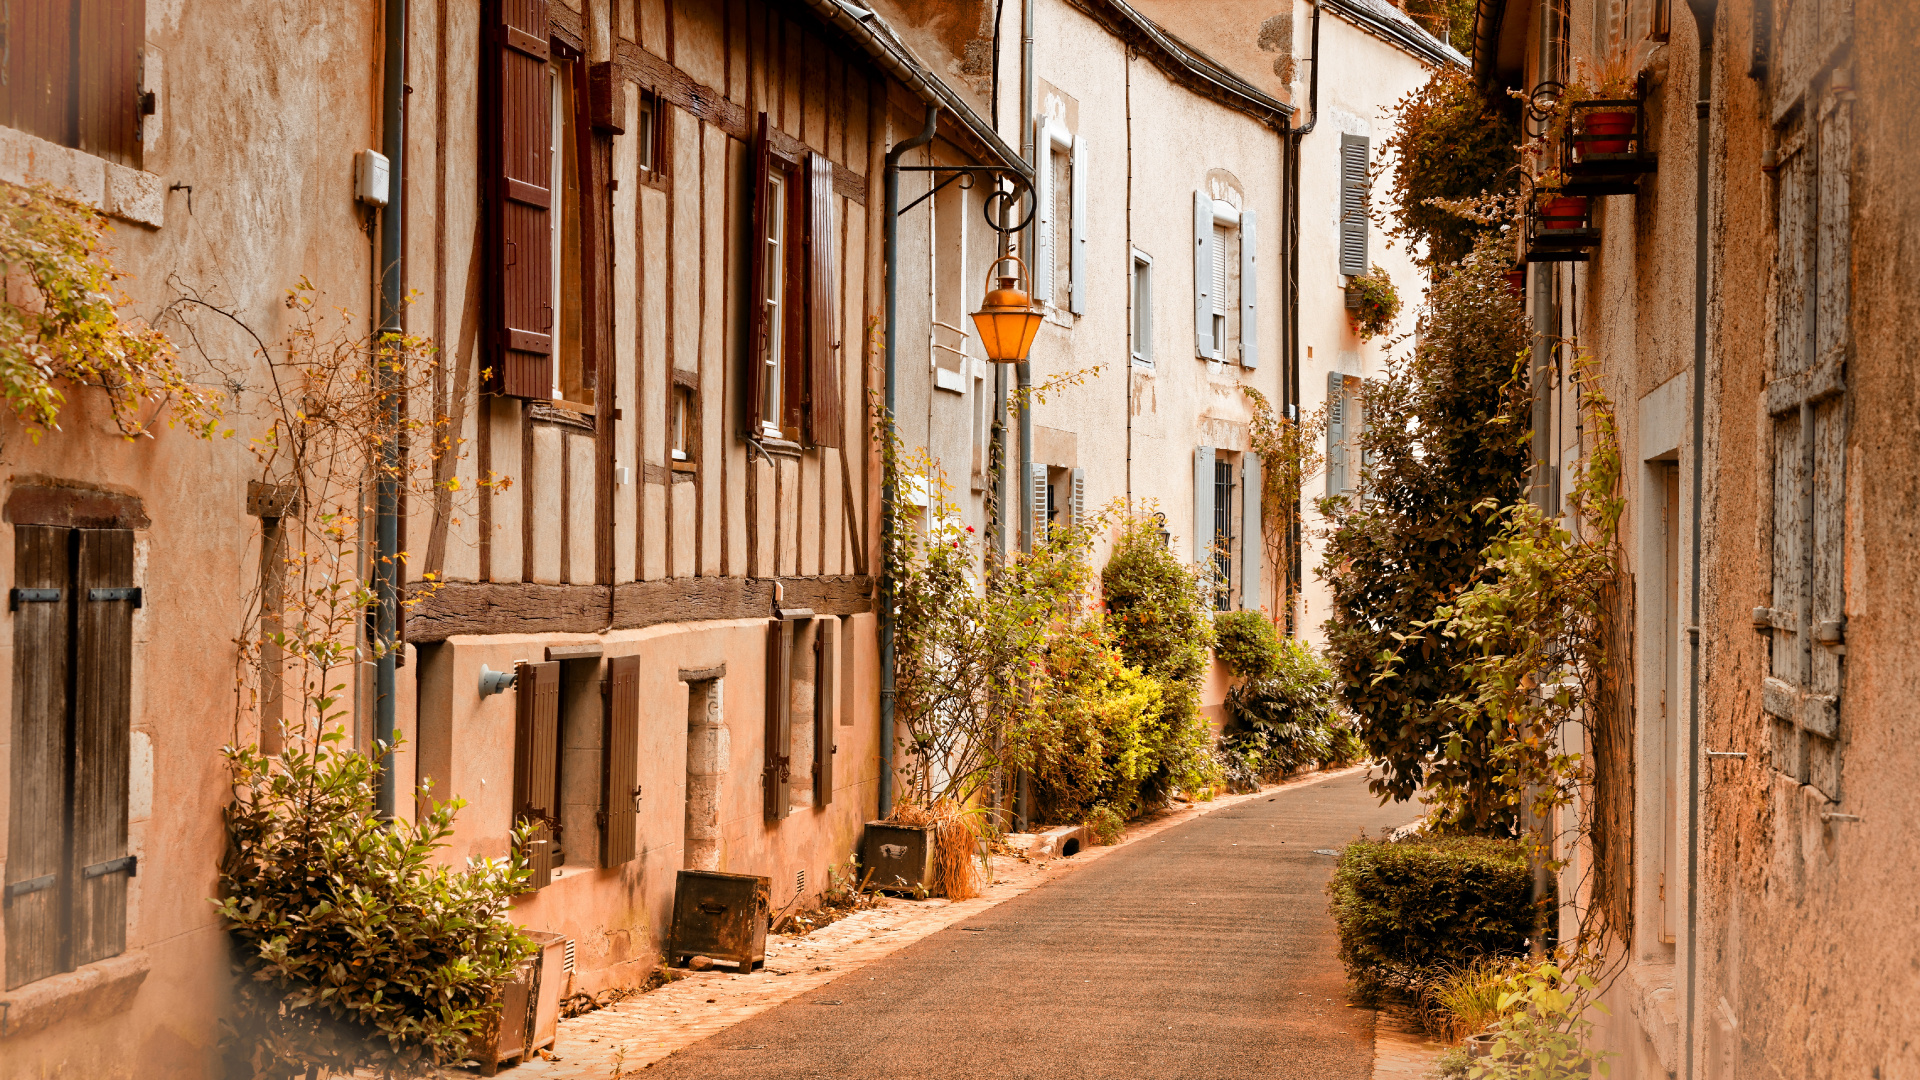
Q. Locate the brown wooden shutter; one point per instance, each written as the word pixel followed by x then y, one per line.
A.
pixel 779 734
pixel 825 705
pixel 104 598
pixel 108 42
pixel 761 330
pixel 39 69
pixel 517 135
pixel 823 418
pixel 536 745
pixel 36 813
pixel 620 779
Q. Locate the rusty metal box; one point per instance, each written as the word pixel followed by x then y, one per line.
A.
pixel 529 1006
pixel 723 916
pixel 900 857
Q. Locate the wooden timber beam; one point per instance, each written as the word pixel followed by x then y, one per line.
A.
pixel 478 607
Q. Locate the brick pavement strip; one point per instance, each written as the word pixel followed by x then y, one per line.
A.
pixel 639 1031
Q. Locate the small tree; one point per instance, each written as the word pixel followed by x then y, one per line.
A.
pixel 1449 143
pixel 1445 433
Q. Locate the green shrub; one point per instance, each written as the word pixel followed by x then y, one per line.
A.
pixel 1409 913
pixel 354 950
pixel 1160 613
pixel 1245 644
pixel 1545 1033
pixel 1105 824
pixel 1285 720
pixel 1093 738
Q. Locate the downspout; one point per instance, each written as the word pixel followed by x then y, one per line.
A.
pixel 1290 382
pixel 386 531
pixel 1023 371
pixel 888 482
pixel 1703 18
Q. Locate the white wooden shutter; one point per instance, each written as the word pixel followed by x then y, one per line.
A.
pixel 1353 205
pixel 1336 433
pixel 1203 496
pixel 1077 229
pixel 1043 224
pixel 1079 497
pixel 1249 290
pixel 1203 274
pixel 1037 507
pixel 1252 536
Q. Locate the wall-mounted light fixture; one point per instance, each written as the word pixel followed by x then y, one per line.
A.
pixel 493 682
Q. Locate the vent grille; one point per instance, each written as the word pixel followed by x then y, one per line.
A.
pixel 566 962
pixel 799 882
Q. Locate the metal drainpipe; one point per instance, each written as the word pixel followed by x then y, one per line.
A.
pixel 1290 383
pixel 891 230
pixel 387 488
pixel 1703 17
pixel 1023 372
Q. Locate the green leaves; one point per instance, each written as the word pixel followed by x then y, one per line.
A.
pixel 355 950
pixel 1448 144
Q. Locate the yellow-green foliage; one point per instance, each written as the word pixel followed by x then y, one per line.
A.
pixel 1095 737
pixel 60 324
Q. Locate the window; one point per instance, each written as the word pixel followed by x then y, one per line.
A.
pixel 801 662
pixel 649 134
pixel 73 74
pixel 1060 225
pixel 1225 288
pixel 681 424
pixel 1223 534
pixel 67 863
pixel 793 370
pixel 571 382
pixel 1142 301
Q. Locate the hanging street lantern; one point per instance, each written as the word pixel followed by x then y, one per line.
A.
pixel 1008 322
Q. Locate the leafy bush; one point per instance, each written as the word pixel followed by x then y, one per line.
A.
pixel 1545 1033
pixel 1245 644
pixel 1376 303
pixel 1285 720
pixel 1408 913
pixel 1160 613
pixel 1446 444
pixel 1469 998
pixel 1448 144
pixel 1093 739
pixel 355 951
pixel 61 322
pixel 1105 824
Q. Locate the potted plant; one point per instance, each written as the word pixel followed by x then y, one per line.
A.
pixel 1599 111
pixel 1552 208
pixel 1374 303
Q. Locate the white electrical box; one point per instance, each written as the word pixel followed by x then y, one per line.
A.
pixel 370 177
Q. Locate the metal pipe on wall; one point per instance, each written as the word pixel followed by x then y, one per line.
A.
pixel 1290 379
pixel 891 231
pixel 386 565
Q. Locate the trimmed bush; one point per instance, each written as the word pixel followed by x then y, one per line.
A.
pixel 1245 644
pixel 1283 720
pixel 1409 913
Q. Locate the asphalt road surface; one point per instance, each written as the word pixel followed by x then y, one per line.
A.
pixel 1203 952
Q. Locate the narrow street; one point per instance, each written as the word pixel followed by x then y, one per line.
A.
pixel 1204 951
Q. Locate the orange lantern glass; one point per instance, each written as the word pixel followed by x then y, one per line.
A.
pixel 1008 322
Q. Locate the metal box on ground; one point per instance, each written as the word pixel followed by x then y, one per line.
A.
pixel 530 1005
pixel 900 857
pixel 723 916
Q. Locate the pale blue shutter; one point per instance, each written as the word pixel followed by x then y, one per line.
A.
pixel 1253 538
pixel 1042 268
pixel 1203 493
pixel 1336 433
pixel 1077 229
pixel 1203 274
pixel 1249 291
pixel 1037 510
pixel 1079 497
pixel 1353 205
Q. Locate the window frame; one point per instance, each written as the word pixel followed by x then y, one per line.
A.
pixel 1140 315
pixel 778 259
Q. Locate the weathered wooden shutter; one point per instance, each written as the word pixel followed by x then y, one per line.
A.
pixel 1044 225
pixel 1353 204
pixel 826 703
pixel 1336 433
pixel 1807 401
pixel 37 873
pixel 620 762
pixel 824 416
pixel 517 135
pixel 762 331
pixel 1253 537
pixel 536 748
pixel 108 39
pixel 39 73
pixel 1203 256
pixel 1249 290
pixel 104 599
pixel 1037 506
pixel 1077 229
pixel 779 728
pixel 1203 524
pixel 1079 497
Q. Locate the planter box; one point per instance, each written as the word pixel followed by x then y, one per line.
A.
pixel 900 857
pixel 723 916
pixel 530 1006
